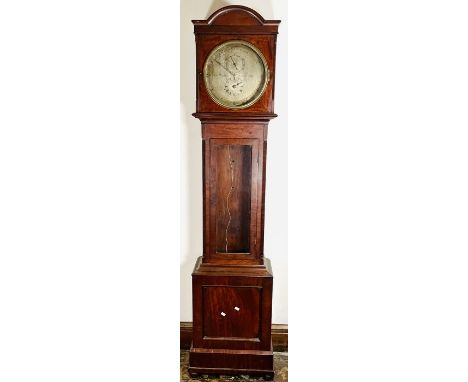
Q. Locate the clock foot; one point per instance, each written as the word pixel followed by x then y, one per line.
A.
pixel 268 376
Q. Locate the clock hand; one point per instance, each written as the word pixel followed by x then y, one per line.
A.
pixel 233 62
pixel 226 69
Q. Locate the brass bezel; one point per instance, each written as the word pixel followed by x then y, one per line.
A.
pixel 265 66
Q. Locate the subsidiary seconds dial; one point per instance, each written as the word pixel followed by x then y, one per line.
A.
pixel 236 74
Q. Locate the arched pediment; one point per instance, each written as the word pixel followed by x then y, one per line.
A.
pixel 237 15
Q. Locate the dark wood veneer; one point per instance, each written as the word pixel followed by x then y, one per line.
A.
pixel 232 287
pixel 279 336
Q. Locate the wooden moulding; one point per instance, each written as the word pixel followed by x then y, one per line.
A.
pixel 231 362
pixel 245 19
pixel 239 117
pixel 279 334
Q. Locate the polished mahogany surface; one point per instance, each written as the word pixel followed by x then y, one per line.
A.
pixel 232 283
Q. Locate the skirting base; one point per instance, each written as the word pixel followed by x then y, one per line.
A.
pixel 229 362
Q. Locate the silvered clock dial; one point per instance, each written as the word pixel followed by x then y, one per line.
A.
pixel 236 74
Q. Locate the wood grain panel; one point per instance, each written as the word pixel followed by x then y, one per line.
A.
pixel 234 183
pixel 231 312
pixel 243 203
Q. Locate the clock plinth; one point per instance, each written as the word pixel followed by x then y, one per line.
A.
pixel 232 309
pixel 232 282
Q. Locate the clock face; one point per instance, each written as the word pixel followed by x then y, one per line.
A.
pixel 236 74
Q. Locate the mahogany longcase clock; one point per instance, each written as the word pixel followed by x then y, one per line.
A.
pixel 232 283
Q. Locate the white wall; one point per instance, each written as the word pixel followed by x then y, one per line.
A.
pixel 276 223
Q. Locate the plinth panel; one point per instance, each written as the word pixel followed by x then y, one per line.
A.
pixel 231 312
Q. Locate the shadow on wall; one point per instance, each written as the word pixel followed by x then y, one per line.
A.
pixel 215 5
pixel 191 145
pixel 191 151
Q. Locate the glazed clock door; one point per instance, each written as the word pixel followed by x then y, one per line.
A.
pixel 233 196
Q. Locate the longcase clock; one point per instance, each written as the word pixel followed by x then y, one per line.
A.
pixel 232 282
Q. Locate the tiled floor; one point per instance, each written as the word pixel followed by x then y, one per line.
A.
pixel 280 365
